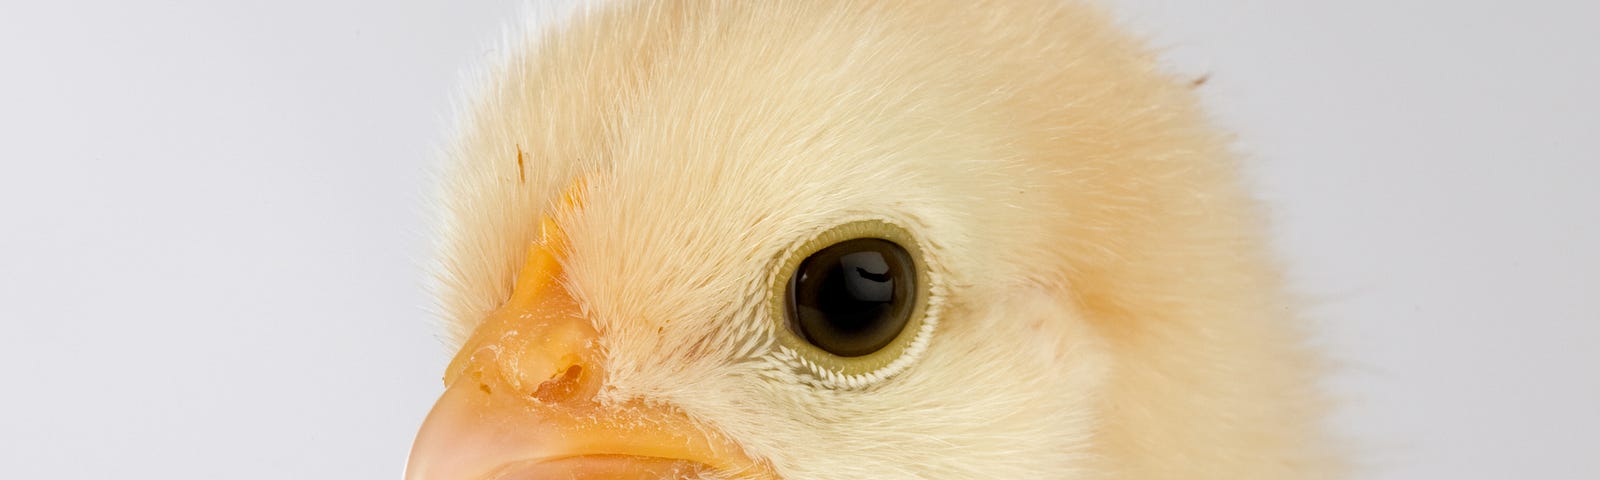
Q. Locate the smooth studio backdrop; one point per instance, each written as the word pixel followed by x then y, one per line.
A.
pixel 213 224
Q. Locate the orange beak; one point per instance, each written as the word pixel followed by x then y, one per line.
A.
pixel 520 402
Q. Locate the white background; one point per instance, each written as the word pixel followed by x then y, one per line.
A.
pixel 215 224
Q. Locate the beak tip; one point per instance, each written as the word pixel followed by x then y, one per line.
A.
pixel 470 435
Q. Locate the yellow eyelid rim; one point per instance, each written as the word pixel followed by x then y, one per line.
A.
pixel 867 369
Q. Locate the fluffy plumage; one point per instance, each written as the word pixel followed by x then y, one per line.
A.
pixel 1106 308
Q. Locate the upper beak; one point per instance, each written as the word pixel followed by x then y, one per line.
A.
pixel 521 403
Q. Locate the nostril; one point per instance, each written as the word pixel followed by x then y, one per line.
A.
pixel 477 377
pixel 561 386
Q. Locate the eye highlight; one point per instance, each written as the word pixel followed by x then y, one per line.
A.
pixel 852 302
pixel 853 297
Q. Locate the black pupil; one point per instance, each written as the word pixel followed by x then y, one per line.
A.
pixel 852 298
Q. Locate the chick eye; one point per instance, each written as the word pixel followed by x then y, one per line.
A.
pixel 852 303
pixel 852 298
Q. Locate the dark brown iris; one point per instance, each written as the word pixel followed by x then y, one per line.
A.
pixel 853 297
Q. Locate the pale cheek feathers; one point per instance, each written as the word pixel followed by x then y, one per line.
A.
pixel 1013 377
